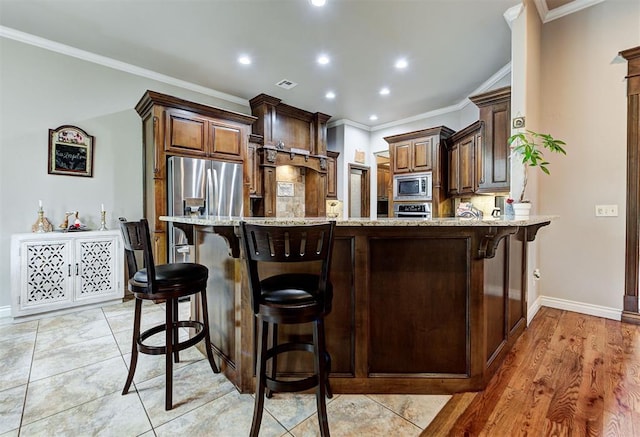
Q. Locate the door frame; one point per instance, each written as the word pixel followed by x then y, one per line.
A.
pixel 365 188
pixel 630 311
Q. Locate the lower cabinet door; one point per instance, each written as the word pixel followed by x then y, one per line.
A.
pixel 95 268
pixel 46 276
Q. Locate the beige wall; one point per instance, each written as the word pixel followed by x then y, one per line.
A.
pixel 583 101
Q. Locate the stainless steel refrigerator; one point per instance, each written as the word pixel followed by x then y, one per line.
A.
pixel 200 187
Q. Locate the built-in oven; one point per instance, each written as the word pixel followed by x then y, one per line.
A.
pixel 412 210
pixel 413 187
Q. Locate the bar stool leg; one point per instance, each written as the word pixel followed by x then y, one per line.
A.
pixel 320 368
pixel 134 345
pixel 207 336
pixel 274 359
pixel 176 330
pixel 169 356
pixel 261 377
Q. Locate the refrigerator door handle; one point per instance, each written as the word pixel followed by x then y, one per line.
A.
pixel 208 193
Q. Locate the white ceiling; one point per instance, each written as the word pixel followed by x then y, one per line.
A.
pixel 452 46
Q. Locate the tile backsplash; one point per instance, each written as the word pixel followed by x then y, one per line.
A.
pixel 290 202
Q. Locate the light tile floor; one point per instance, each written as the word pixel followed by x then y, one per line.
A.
pixel 63 375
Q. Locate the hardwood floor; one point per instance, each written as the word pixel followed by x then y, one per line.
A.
pixel 569 374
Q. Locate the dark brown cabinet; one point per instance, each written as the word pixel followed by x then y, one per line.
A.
pixel 383 182
pixel 495 113
pixel 332 174
pixel 254 173
pixel 465 160
pixel 194 135
pixel 413 155
pixel 298 138
pixel 422 150
pixel 172 126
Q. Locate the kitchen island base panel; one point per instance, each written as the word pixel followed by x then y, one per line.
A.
pixel 417 310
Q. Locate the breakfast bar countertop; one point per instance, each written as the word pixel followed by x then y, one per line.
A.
pixel 445 221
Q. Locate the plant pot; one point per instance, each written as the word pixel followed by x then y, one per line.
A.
pixel 522 210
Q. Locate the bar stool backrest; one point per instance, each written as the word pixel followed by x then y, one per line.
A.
pixel 136 238
pixel 284 244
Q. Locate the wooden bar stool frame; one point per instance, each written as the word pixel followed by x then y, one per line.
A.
pixel 168 282
pixel 290 298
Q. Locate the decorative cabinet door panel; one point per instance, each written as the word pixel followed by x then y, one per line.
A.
pixel 55 271
pixel 225 141
pixel 187 133
pixel 466 174
pixel 402 158
pixel 422 154
pixel 95 267
pixel 46 273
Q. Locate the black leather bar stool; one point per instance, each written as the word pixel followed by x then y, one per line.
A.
pixel 290 298
pixel 167 282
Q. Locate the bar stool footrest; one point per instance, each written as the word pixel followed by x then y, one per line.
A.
pixel 159 350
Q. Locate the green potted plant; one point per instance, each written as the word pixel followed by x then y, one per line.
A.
pixel 528 146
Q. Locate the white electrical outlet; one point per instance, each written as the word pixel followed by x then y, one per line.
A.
pixel 536 274
pixel 606 210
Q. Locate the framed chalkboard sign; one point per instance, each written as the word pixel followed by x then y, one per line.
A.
pixel 70 151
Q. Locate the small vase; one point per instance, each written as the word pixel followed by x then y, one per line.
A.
pixel 509 214
pixel 522 210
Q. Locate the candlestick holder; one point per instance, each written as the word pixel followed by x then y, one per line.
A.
pixel 42 224
pixel 103 223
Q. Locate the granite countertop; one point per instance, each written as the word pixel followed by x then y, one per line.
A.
pixel 447 221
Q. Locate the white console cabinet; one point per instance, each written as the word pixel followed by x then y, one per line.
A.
pixel 60 270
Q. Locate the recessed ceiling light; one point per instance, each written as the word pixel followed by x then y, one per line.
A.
pixel 323 59
pixel 384 91
pixel 244 60
pixel 401 63
pixel 330 95
pixel 318 2
pixel 373 117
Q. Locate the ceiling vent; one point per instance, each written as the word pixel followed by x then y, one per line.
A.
pixel 286 84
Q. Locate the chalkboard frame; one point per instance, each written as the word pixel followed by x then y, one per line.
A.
pixel 70 151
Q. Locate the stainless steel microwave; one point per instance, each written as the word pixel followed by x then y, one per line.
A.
pixel 411 187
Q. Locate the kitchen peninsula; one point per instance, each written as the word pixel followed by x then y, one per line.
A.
pixel 420 306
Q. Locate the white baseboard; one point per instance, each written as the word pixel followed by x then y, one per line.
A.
pixel 5 311
pixel 533 310
pixel 569 305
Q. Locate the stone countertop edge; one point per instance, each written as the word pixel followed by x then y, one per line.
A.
pixel 292 221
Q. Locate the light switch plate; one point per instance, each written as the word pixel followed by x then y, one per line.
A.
pixel 606 210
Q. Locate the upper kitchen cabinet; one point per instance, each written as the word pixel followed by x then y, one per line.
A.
pixel 194 135
pixel 289 128
pixel 465 160
pixel 413 155
pixel 495 113
pixel 423 150
pixel 176 127
pixel 332 174
pixel 297 138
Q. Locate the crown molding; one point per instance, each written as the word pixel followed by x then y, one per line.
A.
pixel 347 122
pixel 36 41
pixel 511 14
pixel 487 85
pixel 547 15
